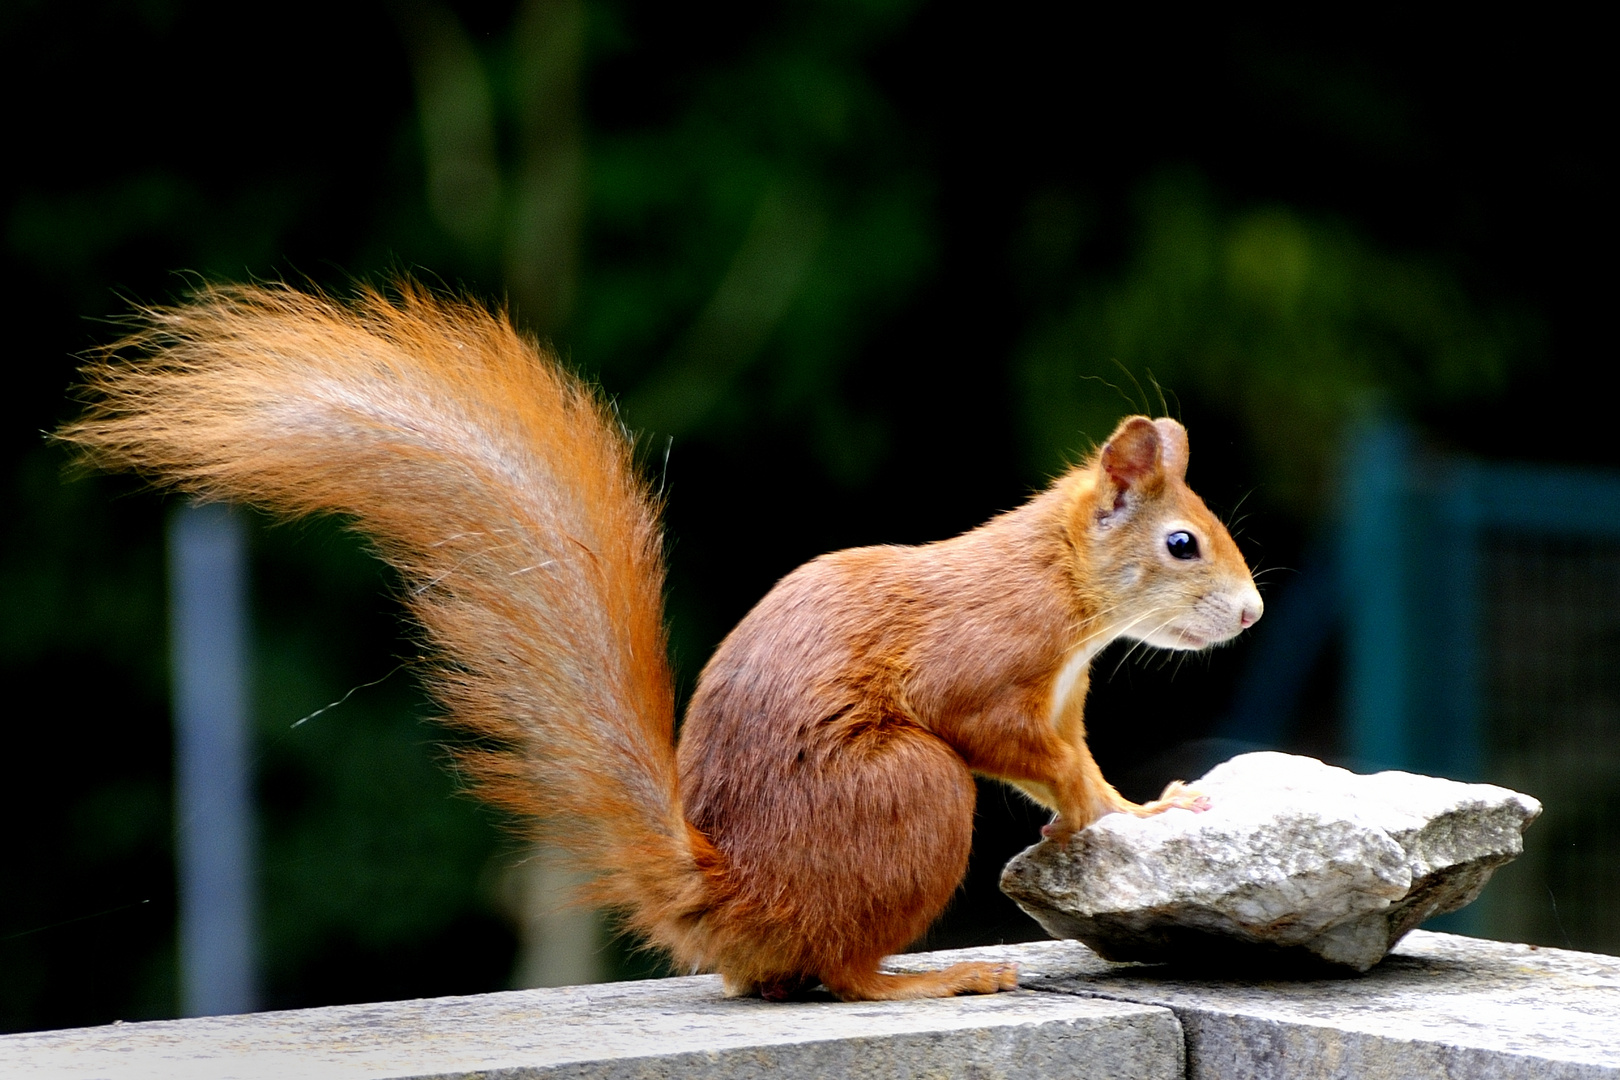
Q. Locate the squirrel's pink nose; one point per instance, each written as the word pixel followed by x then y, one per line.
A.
pixel 1253 608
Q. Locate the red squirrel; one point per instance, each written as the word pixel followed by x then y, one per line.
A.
pixel 817 813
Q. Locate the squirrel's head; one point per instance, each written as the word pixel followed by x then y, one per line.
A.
pixel 1160 567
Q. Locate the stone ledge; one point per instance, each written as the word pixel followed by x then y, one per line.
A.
pixel 664 1028
pixel 1439 1006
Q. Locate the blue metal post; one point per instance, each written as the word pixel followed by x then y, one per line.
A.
pixel 214 825
pixel 1377 624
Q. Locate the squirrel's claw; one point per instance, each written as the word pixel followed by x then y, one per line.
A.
pixel 1057 830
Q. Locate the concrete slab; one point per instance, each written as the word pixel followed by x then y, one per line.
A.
pixel 1440 1005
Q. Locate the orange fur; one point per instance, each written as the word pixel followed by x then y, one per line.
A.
pixel 818 813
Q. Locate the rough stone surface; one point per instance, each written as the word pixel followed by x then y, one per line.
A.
pixel 1296 862
pixel 1440 1005
pixel 662 1028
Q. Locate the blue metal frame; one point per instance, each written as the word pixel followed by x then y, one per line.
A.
pixel 1411 588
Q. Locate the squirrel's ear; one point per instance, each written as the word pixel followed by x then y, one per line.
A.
pixel 1134 453
pixel 1172 447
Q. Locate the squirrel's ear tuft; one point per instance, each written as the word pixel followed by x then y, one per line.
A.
pixel 1133 454
pixel 1172 447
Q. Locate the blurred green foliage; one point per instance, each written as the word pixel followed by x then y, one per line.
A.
pixel 1286 321
pixel 876 268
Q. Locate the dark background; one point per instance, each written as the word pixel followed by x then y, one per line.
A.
pixel 957 241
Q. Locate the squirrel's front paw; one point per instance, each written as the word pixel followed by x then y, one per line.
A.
pixel 1176 796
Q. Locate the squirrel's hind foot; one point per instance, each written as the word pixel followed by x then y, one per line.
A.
pixel 967 978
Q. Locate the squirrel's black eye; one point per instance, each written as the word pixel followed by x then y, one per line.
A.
pixel 1182 545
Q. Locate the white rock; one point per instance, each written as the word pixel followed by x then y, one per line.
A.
pixel 1295 861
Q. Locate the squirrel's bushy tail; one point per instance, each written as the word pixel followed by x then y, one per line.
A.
pixel 503 490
